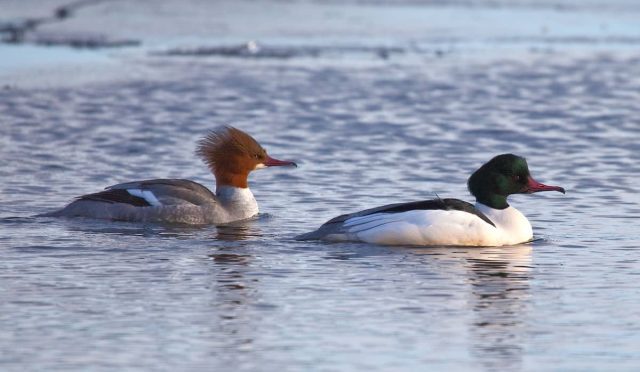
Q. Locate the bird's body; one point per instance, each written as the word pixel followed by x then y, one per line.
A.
pixel 164 200
pixel 438 222
pixel 490 222
pixel 231 155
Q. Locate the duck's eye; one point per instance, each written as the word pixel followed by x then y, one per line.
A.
pixel 517 178
pixel 256 156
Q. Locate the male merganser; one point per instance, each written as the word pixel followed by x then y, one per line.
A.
pixel 230 153
pixel 491 222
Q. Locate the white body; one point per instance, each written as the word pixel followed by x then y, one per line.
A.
pixel 437 227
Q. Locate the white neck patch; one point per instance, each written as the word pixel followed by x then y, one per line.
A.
pixel 238 201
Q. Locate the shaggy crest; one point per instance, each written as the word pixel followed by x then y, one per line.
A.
pixel 220 145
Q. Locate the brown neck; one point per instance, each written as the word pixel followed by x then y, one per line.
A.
pixel 232 179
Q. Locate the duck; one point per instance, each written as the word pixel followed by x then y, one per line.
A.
pixel 230 154
pixel 448 222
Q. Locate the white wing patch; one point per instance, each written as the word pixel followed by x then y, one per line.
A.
pixel 146 195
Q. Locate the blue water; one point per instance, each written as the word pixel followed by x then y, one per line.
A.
pixel 366 129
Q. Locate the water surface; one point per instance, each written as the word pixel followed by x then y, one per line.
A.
pixel 82 294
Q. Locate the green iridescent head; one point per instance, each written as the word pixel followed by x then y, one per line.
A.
pixel 502 176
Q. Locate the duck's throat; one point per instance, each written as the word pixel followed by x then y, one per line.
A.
pixel 494 201
pixel 237 200
pixel 239 180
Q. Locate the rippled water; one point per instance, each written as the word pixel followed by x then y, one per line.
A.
pixel 80 294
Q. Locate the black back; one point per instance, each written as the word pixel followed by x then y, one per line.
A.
pixel 433 204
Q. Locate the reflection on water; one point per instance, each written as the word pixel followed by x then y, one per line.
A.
pixel 498 294
pixel 233 294
pixel 239 230
pixel 80 294
pixel 500 284
pixel 229 258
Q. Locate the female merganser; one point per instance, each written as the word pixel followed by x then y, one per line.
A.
pixel 230 153
pixel 491 222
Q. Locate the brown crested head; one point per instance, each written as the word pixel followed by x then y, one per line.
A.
pixel 232 154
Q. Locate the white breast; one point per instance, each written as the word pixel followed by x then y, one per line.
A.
pixel 238 203
pixel 513 226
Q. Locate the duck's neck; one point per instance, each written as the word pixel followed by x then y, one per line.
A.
pixel 494 201
pixel 237 200
pixel 240 180
pixel 234 195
